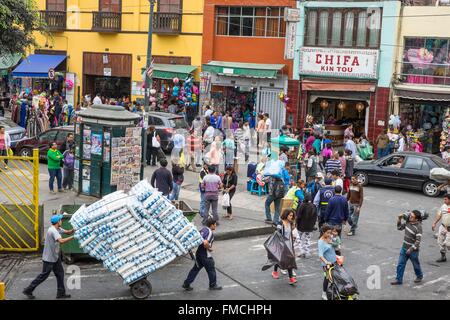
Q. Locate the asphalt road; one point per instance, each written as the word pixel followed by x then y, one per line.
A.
pixel 375 248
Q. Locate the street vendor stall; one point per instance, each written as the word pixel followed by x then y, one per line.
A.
pixel 287 141
pixel 109 150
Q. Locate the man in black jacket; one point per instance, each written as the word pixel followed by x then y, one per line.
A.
pixel 306 220
pixel 162 179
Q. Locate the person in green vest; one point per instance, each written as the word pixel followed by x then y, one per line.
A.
pixel 296 193
pixel 54 158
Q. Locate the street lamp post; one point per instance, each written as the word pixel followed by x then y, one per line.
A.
pixel 148 79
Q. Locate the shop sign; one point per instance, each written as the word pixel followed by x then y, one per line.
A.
pixel 291 15
pixel 333 62
pixel 228 71
pixel 107 72
pixel 291 33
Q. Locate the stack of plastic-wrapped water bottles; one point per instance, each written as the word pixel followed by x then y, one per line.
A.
pixel 134 234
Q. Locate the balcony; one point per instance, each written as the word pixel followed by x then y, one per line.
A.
pixel 55 20
pixel 106 21
pixel 167 23
pixel 424 73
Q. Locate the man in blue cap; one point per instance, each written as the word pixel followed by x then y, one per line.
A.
pixel 51 259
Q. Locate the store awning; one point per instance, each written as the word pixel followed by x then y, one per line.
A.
pixel 170 71
pixel 421 95
pixel 338 86
pixel 37 65
pixel 247 70
pixel 8 61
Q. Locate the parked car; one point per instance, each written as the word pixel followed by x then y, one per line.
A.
pixel 15 131
pixel 409 170
pixel 42 141
pixel 165 125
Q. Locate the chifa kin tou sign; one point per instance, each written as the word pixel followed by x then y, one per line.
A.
pixel 348 63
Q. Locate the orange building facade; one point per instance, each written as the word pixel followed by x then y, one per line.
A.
pixel 243 57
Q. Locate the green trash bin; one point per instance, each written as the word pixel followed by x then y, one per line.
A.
pixel 70 250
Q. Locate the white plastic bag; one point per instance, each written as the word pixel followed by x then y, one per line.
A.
pixel 226 200
pixel 155 142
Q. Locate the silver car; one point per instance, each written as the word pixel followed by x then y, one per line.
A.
pixel 15 131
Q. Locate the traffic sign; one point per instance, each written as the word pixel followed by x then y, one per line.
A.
pixel 51 73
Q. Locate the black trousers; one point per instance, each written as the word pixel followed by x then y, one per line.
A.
pixel 152 156
pixel 48 267
pixel 230 208
pixel 202 262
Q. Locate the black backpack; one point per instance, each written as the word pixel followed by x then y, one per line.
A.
pixel 279 189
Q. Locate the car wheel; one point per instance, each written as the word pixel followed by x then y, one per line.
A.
pixel 363 178
pixel 431 189
pixel 25 152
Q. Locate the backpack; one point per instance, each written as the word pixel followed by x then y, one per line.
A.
pixel 69 160
pixel 279 189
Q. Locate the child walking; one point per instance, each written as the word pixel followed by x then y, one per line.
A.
pixel 306 220
pixel 336 240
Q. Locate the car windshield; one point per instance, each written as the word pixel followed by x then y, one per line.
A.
pixel 178 123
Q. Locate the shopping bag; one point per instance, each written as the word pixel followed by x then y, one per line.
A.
pixel 279 252
pixel 226 200
pixel 182 161
pixel 155 142
pixel 344 282
pixel 10 152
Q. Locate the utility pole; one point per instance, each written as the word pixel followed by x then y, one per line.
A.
pixel 149 80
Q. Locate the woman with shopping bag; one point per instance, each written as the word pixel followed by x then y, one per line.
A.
pixel 5 145
pixel 229 181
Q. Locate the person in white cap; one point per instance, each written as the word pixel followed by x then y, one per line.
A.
pixel 51 259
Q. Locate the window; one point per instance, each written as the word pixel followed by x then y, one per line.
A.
pixel 110 5
pixel 343 28
pixel 413 163
pixel 250 21
pixel 48 136
pixel 62 135
pixel 426 60
pixel 169 6
pixel 56 5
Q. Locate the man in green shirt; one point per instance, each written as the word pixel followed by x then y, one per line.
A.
pixel 54 158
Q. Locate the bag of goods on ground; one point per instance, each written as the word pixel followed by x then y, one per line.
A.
pixel 134 234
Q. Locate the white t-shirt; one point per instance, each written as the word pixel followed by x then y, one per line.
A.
pixel 339 182
pixel 208 113
pixel 97 100
pixel 268 124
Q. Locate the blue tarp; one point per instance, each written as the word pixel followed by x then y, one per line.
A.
pixel 37 65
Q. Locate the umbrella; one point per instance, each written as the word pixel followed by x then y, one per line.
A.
pixel 285 141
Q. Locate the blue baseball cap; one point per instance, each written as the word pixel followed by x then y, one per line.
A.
pixel 56 218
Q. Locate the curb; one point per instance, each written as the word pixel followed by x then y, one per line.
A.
pixel 244 233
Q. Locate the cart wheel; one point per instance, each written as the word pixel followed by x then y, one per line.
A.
pixel 141 289
pixel 68 259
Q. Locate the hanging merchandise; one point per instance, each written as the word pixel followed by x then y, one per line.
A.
pixel 69 84
pixel 445 132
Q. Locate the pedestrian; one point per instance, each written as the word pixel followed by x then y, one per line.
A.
pixel 348 133
pixel 286 229
pixel 337 210
pixel 348 172
pixel 322 198
pixel 351 145
pixel 296 194
pixel 211 184
pixel 317 144
pixel 336 239
pixel 214 155
pixel 208 111
pixel 327 153
pixel 173 108
pixel 97 99
pixel 260 130
pixel 306 217
pixel 162 179
pixel 153 145
pixel 228 149
pixel 276 193
pixel 268 128
pixel 333 165
pixel 309 142
pixel 204 259
pixel 247 138
pixel 230 180
pixel 201 175
pixel 54 158
pixel 412 224
pixel 337 180
pixel 286 176
pixel 284 154
pixel 343 160
pixel 315 185
pixel 311 166
pixel 327 255
pixel 5 145
pixel 51 259
pixel 68 168
pixel 69 143
pixel 355 199
pixel 178 178
pixel 443 239
pixel 382 144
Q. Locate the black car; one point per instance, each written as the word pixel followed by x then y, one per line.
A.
pixel 409 170
pixel 165 125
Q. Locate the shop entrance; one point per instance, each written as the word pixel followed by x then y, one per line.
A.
pixel 229 98
pixel 110 87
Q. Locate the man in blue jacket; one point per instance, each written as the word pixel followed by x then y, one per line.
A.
pixel 322 198
pixel 337 210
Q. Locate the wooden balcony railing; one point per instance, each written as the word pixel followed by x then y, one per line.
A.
pixel 167 23
pixel 106 21
pixel 55 20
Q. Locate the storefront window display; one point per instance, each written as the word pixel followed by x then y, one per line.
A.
pixel 423 122
pixel 426 61
pixel 232 98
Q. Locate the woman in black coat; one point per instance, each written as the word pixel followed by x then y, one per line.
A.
pixel 306 220
pixel 229 181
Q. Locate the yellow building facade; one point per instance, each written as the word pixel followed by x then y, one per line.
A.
pixel 99 38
